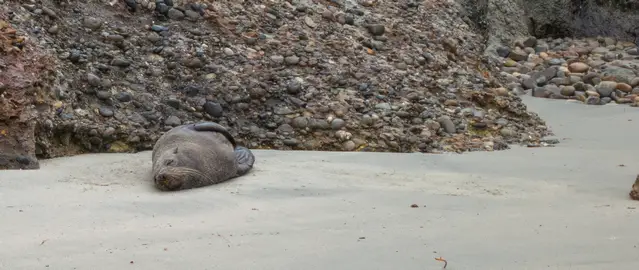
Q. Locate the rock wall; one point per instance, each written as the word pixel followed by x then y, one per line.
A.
pixel 397 76
pixel 584 18
pixel 507 21
pixel 24 79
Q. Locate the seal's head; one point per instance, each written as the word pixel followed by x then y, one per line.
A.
pixel 175 177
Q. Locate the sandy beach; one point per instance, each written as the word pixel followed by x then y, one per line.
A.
pixel 563 207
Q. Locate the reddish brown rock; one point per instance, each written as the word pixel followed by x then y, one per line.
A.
pixel 624 87
pixel 578 67
pixel 21 80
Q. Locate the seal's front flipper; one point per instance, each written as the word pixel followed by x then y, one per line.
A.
pixel 214 127
pixel 245 160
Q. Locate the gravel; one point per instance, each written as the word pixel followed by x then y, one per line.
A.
pixel 594 71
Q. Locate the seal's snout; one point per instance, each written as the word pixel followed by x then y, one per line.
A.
pixel 168 181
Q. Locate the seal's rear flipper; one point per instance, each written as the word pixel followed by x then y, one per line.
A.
pixel 215 127
pixel 245 160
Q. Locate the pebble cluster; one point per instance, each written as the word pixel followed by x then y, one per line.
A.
pixel 401 76
pixel 595 71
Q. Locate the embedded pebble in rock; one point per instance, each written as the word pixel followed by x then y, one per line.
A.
pixel 213 109
pixel 103 95
pixel 292 60
pixel 124 97
pixel 53 29
pixel 300 122
pixel 93 80
pixel 173 121
pixel 294 86
pixel 508 133
pixel 383 106
pixel 309 21
pixel 337 124
pixel 120 62
pixel 92 23
pixel 311 75
pixel 447 124
pixel 176 14
pixel 349 146
pixel 192 15
pixel 376 29
pixel 106 112
pixel 277 59
pixel 290 142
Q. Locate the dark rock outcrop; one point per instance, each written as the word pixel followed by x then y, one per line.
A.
pixel 507 21
pixel 24 70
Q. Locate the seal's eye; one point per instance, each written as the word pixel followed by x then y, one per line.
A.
pixel 169 162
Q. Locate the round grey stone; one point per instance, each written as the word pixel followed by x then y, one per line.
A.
pixel 124 97
pixel 292 60
pixel 213 109
pixel 105 111
pixel 290 142
pixel 103 95
pixel 507 132
pixel 173 121
pixel 376 29
pixel 294 86
pixel 348 145
pixel 175 14
pixel 568 90
pixel 300 122
pixel 605 88
pixel 93 80
pixel 447 124
pixel 337 123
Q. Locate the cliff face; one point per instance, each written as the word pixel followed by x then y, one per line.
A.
pixel 25 72
pixel 584 18
pixel 401 76
pixel 511 20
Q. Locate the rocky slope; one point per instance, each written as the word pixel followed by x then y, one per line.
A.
pixel 595 71
pixel 367 75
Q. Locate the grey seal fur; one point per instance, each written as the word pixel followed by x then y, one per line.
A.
pixel 198 155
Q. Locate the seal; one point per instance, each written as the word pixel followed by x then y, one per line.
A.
pixel 198 155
